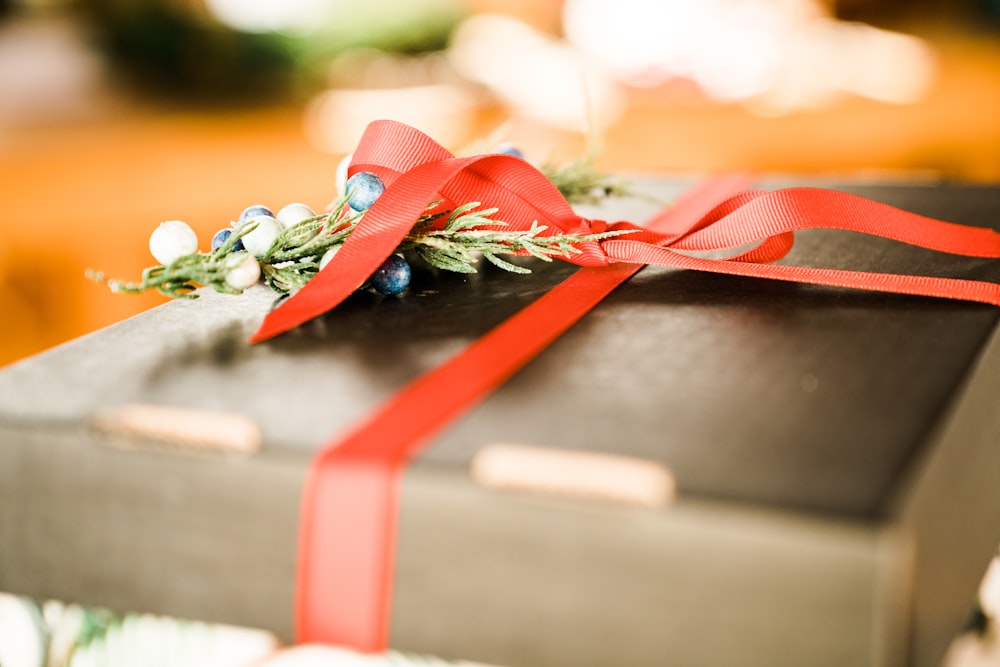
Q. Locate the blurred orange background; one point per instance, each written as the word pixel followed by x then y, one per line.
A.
pixel 98 145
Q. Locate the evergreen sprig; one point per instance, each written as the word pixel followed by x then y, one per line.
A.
pixel 469 231
pixel 295 256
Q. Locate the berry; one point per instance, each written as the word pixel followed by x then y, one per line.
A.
pixel 258 240
pixel 243 271
pixel 251 212
pixel 392 277
pixel 171 240
pixel 364 188
pixel 507 148
pixel 293 214
pixel 222 236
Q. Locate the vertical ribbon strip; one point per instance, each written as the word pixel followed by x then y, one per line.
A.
pixel 349 510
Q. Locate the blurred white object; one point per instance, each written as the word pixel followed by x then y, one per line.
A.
pixel 83 637
pixel 729 48
pixel 989 590
pixel 777 55
pixel 270 15
pixel 311 655
pixel 64 624
pixel 336 119
pixel 149 640
pixel 972 651
pixel 21 633
pixel 50 73
pixel 539 76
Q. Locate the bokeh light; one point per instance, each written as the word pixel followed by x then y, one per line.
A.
pixel 270 15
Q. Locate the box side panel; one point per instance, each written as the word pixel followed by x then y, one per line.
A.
pixel 893 598
pixel 204 538
pixel 529 582
pixel 953 509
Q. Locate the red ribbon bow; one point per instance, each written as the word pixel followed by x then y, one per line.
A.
pixel 417 170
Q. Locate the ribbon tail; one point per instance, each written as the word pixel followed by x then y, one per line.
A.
pixel 943 288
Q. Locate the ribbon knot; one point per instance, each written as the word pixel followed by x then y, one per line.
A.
pixel 588 226
pixel 758 226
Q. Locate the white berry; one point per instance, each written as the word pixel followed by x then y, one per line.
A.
pixel 341 174
pixel 327 256
pixel 171 240
pixel 243 271
pixel 259 239
pixel 293 214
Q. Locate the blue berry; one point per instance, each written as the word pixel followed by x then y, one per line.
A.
pixel 507 148
pixel 364 188
pixel 392 277
pixel 222 236
pixel 251 212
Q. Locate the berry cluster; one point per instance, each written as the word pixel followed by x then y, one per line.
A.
pixel 256 230
pixel 289 248
pixel 253 234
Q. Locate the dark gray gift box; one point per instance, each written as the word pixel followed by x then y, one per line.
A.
pixel 835 454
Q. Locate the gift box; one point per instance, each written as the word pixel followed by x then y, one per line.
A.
pixel 706 469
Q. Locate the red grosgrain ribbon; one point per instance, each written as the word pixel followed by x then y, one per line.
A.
pixel 349 504
pixel 416 171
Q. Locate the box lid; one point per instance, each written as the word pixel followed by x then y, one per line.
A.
pixel 809 398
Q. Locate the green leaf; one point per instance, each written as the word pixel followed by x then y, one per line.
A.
pixel 506 266
pixel 440 259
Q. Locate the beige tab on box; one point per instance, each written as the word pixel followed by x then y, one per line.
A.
pixel 178 429
pixel 563 472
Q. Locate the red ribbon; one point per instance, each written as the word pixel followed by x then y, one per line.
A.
pixel 347 539
pixel 416 171
pixel 350 501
